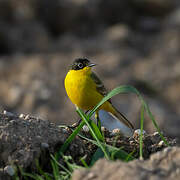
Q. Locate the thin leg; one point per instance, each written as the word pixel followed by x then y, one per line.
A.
pixel 77 123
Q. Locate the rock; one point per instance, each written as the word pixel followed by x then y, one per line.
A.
pixel 163 165
pixel 9 170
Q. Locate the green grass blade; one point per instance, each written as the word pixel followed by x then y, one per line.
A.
pixel 55 169
pixel 70 163
pixel 86 119
pixel 96 134
pixel 96 156
pixel 29 175
pixel 111 150
pixel 65 169
pixel 129 89
pixel 141 134
pixel 118 90
pixel 94 142
pixel 84 162
pixel 41 171
pixel 121 155
pixel 130 156
pixel 96 131
pixel 155 124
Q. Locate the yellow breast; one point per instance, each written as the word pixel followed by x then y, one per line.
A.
pixel 81 89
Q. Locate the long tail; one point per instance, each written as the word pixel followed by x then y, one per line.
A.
pixel 110 121
pixel 122 118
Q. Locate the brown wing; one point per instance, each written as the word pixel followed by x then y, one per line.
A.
pixel 102 90
pixel 99 85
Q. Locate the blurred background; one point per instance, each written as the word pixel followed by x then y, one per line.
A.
pixel 135 42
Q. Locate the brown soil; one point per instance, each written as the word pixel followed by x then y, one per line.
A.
pixel 24 139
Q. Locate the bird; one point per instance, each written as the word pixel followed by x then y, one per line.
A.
pixel 86 90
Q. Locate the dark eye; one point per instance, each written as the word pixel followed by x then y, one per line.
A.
pixel 80 65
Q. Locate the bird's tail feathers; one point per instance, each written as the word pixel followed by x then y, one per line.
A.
pixel 122 118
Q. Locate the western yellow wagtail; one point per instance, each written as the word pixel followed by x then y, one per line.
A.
pixel 86 90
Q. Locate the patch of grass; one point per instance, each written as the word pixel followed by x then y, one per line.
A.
pixel 95 132
pixel 141 135
pixel 115 153
pixel 103 150
pixel 59 172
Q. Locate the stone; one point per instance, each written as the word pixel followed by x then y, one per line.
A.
pixel 163 165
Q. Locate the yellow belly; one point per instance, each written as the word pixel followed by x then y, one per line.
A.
pixel 81 90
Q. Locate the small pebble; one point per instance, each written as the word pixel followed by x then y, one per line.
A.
pixel 74 125
pixel 64 130
pixel 12 121
pixel 81 150
pixel 155 133
pixel 21 116
pixel 27 117
pixel 85 128
pixel 161 143
pixel 9 170
pixel 115 132
pixel 45 145
pixel 67 130
pixel 137 133
pixel 103 129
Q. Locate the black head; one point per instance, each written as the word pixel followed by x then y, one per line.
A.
pixel 80 63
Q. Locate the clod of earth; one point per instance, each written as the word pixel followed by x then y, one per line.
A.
pixel 24 139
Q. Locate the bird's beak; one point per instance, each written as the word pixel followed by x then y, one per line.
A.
pixel 91 64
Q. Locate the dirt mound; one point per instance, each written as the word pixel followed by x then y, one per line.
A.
pixel 162 165
pixel 25 139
